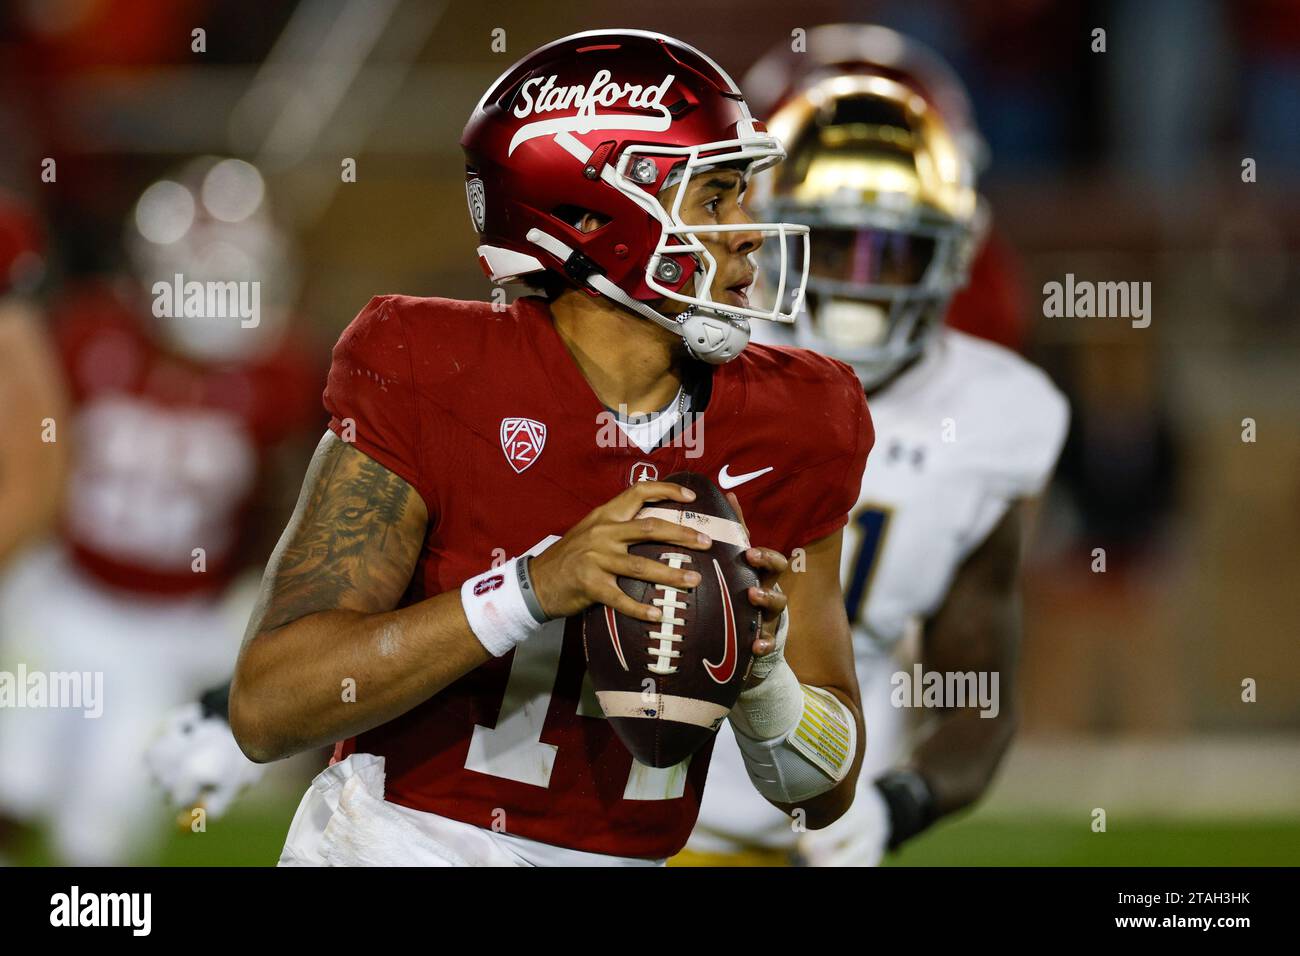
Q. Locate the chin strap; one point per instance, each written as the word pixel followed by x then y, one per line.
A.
pixel 713 337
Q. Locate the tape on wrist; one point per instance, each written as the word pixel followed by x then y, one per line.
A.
pixel 772 708
pixel 501 607
pixel 763 666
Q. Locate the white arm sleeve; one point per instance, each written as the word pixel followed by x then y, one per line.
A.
pixel 797 741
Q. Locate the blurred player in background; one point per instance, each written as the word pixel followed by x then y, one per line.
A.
pixel 992 305
pixel 31 470
pixel 32 395
pixel 882 164
pixel 177 431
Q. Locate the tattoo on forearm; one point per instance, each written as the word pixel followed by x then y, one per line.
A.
pixel 352 543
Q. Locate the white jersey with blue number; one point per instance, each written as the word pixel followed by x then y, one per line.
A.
pixel 970 429
pixel 960 436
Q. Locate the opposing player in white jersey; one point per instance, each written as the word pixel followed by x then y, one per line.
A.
pixel 882 166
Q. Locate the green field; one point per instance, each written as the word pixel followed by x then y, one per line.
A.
pixel 1044 841
pixel 251 835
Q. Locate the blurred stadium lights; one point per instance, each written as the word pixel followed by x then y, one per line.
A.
pixel 314 66
pixel 305 77
pixel 309 74
pixel 322 88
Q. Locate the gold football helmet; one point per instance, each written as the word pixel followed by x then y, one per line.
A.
pixel 887 182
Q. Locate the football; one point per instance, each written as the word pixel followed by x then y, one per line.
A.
pixel 666 686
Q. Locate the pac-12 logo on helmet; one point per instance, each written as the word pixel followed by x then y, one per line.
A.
pixel 477 205
pixel 601 123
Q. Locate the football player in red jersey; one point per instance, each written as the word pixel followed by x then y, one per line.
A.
pixel 606 168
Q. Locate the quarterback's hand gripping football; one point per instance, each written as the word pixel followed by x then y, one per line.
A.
pixel 583 567
pixel 768 597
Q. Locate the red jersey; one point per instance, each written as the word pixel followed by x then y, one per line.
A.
pixel 167 452
pixel 488 417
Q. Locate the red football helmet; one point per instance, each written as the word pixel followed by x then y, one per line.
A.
pixel 600 123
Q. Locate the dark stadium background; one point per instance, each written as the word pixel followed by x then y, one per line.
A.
pixel 1123 165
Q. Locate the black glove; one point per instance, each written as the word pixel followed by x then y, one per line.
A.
pixel 910 802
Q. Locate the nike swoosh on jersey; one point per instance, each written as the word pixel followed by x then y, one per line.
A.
pixel 731 481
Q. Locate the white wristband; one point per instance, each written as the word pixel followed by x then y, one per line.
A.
pixel 495 607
